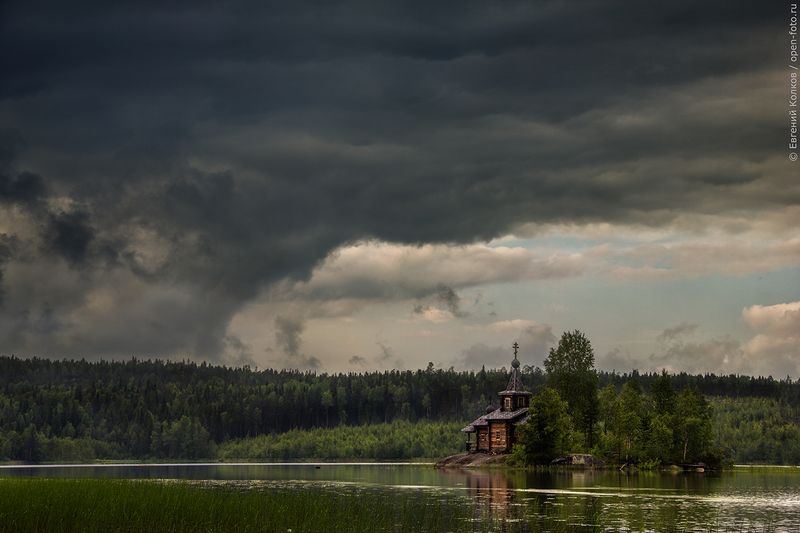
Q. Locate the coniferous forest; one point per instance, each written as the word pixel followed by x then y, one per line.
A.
pixel 65 410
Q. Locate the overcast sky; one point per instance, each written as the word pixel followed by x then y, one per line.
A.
pixel 370 185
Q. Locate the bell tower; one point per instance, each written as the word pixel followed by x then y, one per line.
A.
pixel 515 396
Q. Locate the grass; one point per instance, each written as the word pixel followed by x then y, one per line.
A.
pixel 126 505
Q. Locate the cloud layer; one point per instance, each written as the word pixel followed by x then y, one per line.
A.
pixel 161 166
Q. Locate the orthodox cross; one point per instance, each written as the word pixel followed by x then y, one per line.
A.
pixel 516 347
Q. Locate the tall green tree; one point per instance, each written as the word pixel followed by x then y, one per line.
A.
pixel 663 394
pixel 659 439
pixel 629 418
pixel 570 371
pixel 692 422
pixel 606 405
pixel 547 432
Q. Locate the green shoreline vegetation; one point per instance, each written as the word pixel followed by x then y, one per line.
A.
pixel 395 440
pixel 79 411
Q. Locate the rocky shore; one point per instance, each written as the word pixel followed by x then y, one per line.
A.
pixel 461 460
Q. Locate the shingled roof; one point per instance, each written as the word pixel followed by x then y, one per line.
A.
pixel 497 414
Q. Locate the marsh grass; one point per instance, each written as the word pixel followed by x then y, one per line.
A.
pixel 128 505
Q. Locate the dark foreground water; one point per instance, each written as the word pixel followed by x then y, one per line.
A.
pixel 757 499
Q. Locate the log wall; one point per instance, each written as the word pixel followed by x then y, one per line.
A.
pixel 498 434
pixel 483 439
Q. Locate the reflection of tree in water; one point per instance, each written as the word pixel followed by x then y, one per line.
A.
pixel 601 500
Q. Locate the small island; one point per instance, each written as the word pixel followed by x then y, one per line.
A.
pixel 568 422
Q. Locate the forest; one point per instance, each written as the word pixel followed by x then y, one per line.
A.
pixel 62 410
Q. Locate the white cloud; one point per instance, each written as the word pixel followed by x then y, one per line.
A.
pixel 384 271
pixel 775 348
pixel 512 326
pixel 380 270
pixel 697 258
pixel 433 314
pixel 778 223
pixel 780 319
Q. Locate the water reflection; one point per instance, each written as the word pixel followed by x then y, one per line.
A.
pixel 588 500
pixel 492 491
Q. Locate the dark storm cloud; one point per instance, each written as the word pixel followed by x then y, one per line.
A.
pixel 357 360
pixel 288 334
pixel 69 235
pixel 7 245
pixel 386 352
pixel 24 188
pixel 237 352
pixel 289 339
pixel 20 189
pixel 386 357
pixel 675 332
pixel 451 301
pixel 243 142
pixel 445 298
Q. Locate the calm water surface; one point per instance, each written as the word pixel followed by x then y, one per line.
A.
pixel 743 500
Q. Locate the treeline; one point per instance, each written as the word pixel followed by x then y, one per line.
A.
pixel 78 410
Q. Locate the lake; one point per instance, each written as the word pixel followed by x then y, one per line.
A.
pixel 756 499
